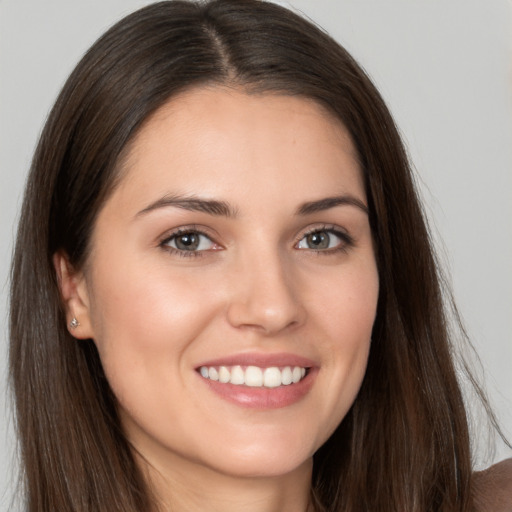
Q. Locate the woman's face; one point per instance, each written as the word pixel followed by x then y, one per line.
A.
pixel 231 287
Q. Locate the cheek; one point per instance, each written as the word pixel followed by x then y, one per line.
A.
pixel 143 299
pixel 347 304
pixel 346 315
pixel 144 318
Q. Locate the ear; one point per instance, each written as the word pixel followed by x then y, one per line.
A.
pixel 75 297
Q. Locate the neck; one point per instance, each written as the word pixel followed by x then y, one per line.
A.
pixel 195 488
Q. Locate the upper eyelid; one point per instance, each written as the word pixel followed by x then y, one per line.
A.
pixel 325 227
pixel 172 233
pixel 181 233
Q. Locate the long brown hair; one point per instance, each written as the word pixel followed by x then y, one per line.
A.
pixel 404 445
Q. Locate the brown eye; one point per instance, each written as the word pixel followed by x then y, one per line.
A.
pixel 189 241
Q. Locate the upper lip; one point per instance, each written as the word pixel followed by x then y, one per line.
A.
pixel 261 360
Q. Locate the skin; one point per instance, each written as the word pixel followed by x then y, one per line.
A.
pixel 256 286
pixel 493 488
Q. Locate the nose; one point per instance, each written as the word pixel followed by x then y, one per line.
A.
pixel 265 296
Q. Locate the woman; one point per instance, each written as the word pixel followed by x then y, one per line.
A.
pixel 223 292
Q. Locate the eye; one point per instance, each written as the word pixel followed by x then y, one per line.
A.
pixel 189 241
pixel 324 239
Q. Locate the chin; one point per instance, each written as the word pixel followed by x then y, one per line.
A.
pixel 267 456
pixel 263 465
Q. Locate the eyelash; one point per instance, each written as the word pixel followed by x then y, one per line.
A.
pixel 190 230
pixel 346 241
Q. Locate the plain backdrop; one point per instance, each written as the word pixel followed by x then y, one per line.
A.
pixel 443 66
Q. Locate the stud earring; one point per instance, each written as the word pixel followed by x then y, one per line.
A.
pixel 74 323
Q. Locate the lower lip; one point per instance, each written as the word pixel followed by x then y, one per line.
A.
pixel 263 398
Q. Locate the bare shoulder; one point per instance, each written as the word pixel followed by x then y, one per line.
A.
pixel 493 488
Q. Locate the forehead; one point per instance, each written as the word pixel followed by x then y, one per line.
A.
pixel 222 136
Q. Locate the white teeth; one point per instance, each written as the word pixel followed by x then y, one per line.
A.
pixel 237 376
pixel 287 376
pixel 224 374
pixel 272 377
pixel 253 376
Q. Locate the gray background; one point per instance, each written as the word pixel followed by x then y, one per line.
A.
pixel 443 66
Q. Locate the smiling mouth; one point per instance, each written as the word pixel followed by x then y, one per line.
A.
pixel 254 376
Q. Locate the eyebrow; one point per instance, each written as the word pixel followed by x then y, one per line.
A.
pixel 224 209
pixel 195 204
pixel 331 202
